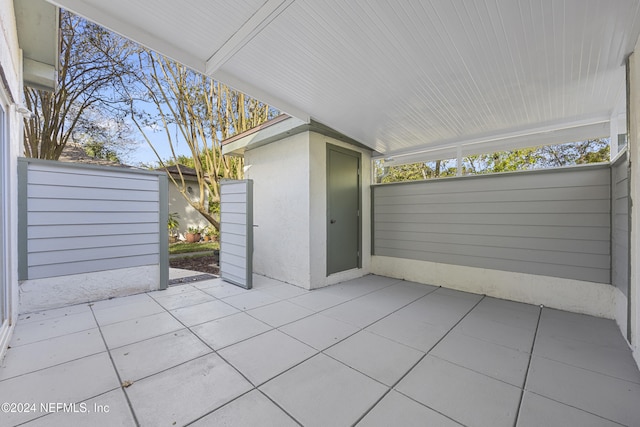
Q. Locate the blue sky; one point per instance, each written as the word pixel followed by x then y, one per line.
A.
pixel 144 154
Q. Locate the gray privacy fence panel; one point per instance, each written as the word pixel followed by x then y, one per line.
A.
pixel 552 222
pixel 236 232
pixel 81 219
pixel 620 224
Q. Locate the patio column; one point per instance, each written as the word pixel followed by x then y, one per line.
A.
pixel 633 114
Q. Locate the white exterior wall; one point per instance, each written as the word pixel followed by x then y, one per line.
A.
pixel 10 60
pixel 634 194
pixel 596 299
pixel 189 217
pixel 280 173
pixel 290 210
pixel 62 291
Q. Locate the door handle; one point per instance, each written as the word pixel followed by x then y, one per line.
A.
pixel 333 221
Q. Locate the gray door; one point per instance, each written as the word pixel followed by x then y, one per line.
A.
pixel 343 209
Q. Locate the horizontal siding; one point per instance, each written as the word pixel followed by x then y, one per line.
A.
pixel 40 191
pixel 44 271
pixel 555 223
pixel 527 231
pixel 620 224
pixel 89 242
pixel 82 220
pixel 54 205
pixel 235 220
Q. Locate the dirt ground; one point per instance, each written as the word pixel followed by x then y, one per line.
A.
pixel 204 264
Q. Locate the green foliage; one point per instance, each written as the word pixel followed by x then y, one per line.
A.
pixel 183 247
pixel 173 223
pixel 414 172
pixel 101 151
pixel 549 156
pixel 210 231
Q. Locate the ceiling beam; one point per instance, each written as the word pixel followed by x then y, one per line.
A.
pixel 258 21
pixel 593 127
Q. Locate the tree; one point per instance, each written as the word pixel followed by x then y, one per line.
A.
pixel 548 156
pixel 203 112
pixel 92 60
pixel 414 171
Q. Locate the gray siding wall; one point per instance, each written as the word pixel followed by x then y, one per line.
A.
pixel 620 224
pixel 236 232
pixel 81 219
pixel 552 222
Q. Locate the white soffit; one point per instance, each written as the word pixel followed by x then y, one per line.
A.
pixel 405 75
pixel 37 25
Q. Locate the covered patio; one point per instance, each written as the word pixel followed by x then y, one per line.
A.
pixel 402 82
pixel 370 351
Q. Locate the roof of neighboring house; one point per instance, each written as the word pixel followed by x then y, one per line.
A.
pixel 74 153
pixel 173 169
pixel 188 173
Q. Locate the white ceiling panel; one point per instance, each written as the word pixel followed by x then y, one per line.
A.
pixel 406 75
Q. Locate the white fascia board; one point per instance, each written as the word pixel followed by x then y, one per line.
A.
pixel 569 132
pixel 265 136
pixel 39 75
pixel 37 23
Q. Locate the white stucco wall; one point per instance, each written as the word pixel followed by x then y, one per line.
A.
pixel 290 210
pixel 596 299
pixel 621 307
pixel 10 60
pixel 54 292
pixel 189 217
pixel 280 174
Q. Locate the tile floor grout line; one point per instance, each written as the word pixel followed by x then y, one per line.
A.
pixel 363 329
pixel 115 369
pixel 219 407
pixel 281 408
pixel 254 387
pixel 50 366
pixel 320 312
pixel 485 340
pixel 526 375
pixel 26 423
pixel 577 408
pixel 217 353
pixel 359 329
pixel 473 370
pixel 317 352
pixel 338 296
pixel 589 370
pixel 49 338
pixel 27 320
pixel 416 364
pixel 213 351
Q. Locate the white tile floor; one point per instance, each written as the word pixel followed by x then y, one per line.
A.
pixel 373 352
